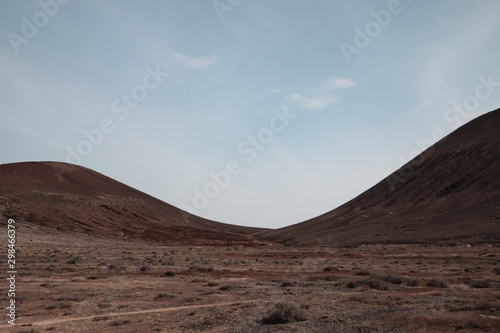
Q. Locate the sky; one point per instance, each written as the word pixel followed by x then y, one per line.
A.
pixel 258 113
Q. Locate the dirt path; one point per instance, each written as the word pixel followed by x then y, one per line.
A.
pixel 117 314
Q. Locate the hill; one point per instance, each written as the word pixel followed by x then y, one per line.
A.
pixel 450 192
pixel 68 197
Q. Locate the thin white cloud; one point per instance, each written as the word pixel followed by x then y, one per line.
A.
pixel 273 90
pixel 333 83
pixel 315 103
pixel 195 63
pixel 321 94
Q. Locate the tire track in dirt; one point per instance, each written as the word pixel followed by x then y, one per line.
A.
pixel 130 313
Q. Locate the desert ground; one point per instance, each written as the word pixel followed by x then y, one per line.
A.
pixel 69 282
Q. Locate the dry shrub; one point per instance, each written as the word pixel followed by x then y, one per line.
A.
pixel 480 284
pixel 119 322
pixel 330 269
pixel 168 274
pixel 370 283
pixel 391 279
pixel 288 283
pixel 285 312
pixel 203 269
pixel 436 283
pixel 412 283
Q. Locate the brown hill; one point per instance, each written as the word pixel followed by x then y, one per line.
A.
pixel 450 192
pixel 73 198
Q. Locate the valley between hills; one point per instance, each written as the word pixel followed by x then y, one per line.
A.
pixel 417 252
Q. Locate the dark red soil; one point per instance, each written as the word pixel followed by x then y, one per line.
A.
pixel 73 198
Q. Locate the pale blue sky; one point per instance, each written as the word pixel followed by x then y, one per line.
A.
pixel 66 67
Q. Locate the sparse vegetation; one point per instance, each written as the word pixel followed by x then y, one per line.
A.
pixel 412 283
pixel 69 269
pixel 104 304
pixel 480 284
pixel 370 282
pixel 284 312
pixel 330 269
pixel 169 274
pixel 163 295
pixel 391 279
pixel 205 278
pixel 288 283
pixel 119 322
pixel 436 283
pixel 196 268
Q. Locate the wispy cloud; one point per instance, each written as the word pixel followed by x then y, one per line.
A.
pixel 273 90
pixel 333 83
pixel 314 103
pixel 321 94
pixel 195 63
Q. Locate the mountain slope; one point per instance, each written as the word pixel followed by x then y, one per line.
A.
pixel 73 198
pixel 449 192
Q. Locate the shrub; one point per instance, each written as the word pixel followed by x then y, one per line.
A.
pixel 51 307
pixel 64 306
pixel 68 269
pixel 169 274
pixel 330 269
pixel 73 261
pixel 104 304
pixel 481 284
pixel 412 283
pixel 285 312
pixel 119 322
pixel 375 284
pixel 287 283
pixel 485 306
pixel 391 279
pixel 435 283
pixel 370 283
pixel 197 280
pixel 195 268
pixel 351 285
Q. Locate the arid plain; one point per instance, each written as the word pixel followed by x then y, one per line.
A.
pixel 417 252
pixel 70 282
